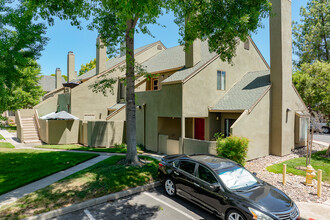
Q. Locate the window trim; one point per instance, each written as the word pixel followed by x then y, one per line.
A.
pixel 152 84
pixel 225 80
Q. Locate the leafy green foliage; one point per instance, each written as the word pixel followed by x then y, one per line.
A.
pixel 312 34
pixel 312 83
pixel 19 167
pixel 318 161
pixel 25 92
pixel 233 148
pixel 21 41
pixel 1 137
pixel 64 76
pixel 87 67
pixel 99 180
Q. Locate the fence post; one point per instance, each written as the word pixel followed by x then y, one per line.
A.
pixel 284 174
pixel 319 181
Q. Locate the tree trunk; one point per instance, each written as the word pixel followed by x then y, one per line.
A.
pixel 131 156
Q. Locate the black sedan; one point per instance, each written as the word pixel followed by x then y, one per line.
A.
pixel 224 188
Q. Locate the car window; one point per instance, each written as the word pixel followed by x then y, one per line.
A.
pixel 206 175
pixel 187 166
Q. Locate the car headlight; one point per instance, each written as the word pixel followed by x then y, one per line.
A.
pixel 259 215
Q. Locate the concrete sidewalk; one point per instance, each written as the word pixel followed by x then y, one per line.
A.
pixel 317 211
pixel 34 186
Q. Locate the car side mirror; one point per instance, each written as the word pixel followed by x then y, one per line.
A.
pixel 254 174
pixel 215 187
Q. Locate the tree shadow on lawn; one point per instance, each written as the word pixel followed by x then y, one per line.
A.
pixel 23 166
pixel 101 179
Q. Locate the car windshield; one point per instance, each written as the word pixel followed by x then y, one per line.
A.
pixel 237 178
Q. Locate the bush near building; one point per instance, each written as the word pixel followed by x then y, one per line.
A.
pixel 233 148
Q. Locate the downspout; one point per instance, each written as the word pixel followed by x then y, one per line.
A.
pixel 183 124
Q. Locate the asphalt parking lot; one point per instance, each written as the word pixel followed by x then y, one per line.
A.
pixel 153 204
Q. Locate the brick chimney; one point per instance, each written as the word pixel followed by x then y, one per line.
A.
pixel 58 78
pixel 71 73
pixel 193 54
pixel 101 55
pixel 281 77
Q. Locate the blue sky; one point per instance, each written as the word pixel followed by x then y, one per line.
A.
pixel 63 38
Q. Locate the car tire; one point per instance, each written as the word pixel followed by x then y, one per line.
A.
pixel 325 130
pixel 169 187
pixel 235 215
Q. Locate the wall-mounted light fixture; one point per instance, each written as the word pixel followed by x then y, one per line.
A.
pixel 217 118
pixel 138 107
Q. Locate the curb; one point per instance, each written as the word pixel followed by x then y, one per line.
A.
pixel 321 143
pixel 93 202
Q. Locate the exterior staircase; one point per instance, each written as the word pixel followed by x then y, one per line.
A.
pixel 29 130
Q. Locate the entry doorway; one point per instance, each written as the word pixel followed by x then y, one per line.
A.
pixel 199 128
pixel 228 124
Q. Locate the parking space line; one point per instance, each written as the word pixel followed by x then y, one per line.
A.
pixel 169 205
pixel 89 215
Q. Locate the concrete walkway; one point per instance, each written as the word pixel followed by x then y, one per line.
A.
pixel 317 211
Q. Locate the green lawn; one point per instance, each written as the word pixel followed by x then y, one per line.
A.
pixel 20 167
pixel 317 162
pixel 6 145
pixel 1 137
pixel 101 179
pixel 117 149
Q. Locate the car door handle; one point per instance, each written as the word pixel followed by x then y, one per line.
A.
pixel 176 173
pixel 196 184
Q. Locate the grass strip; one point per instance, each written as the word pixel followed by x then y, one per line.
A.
pixel 5 145
pixel 1 137
pixel 101 179
pixel 318 161
pixel 117 149
pixel 21 166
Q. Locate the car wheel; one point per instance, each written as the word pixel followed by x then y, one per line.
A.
pixel 170 187
pixel 234 215
pixel 325 130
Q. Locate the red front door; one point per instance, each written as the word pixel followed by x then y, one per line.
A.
pixel 199 128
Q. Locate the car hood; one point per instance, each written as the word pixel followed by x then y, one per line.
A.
pixel 268 197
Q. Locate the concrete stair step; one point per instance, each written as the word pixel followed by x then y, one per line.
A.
pixel 37 141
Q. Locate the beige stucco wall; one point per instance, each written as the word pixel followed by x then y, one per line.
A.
pixel 83 132
pixel 200 92
pixel 193 146
pixel 168 146
pixel 47 106
pixel 59 131
pixel 105 133
pixel 160 103
pixel 255 126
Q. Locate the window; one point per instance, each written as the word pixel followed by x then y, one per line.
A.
pixel 187 166
pixel 221 80
pixel 228 124
pixel 247 45
pixel 206 175
pixel 122 91
pixel 154 84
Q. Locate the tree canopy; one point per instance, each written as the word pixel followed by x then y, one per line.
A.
pixel 21 41
pixel 312 34
pixel 312 83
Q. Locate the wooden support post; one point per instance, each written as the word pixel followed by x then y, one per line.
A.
pixel 284 174
pixel 319 181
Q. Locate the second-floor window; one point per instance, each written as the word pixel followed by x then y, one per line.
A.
pixel 154 84
pixel 221 80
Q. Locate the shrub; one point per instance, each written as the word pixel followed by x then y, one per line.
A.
pixel 233 148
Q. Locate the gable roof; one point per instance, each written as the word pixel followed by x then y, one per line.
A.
pixel 245 93
pixel 111 62
pixel 170 58
pixel 47 83
pixel 184 73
